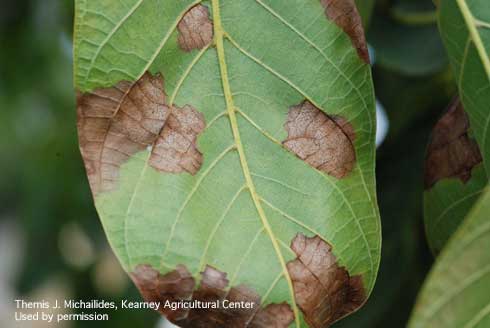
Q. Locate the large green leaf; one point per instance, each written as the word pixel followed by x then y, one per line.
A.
pixel 456 291
pixel 465 29
pixel 233 201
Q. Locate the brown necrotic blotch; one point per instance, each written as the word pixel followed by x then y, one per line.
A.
pixel 115 123
pixel 324 291
pixel 195 29
pixel 344 13
pixel 451 152
pixel 179 285
pixel 175 149
pixel 174 286
pixel 324 142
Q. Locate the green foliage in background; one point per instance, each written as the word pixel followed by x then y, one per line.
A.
pixel 464 29
pixel 406 39
pixel 456 291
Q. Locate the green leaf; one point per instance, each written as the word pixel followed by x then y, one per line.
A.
pixel 465 29
pixel 448 203
pixel 456 291
pixel 193 150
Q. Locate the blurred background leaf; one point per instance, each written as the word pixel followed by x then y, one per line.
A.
pixel 46 204
pixel 406 38
pixel 365 8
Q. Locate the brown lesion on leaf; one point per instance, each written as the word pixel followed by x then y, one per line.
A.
pixel 324 291
pixel 175 149
pixel 179 285
pixel 115 123
pixel 174 286
pixel 344 13
pixel 345 126
pixel 273 316
pixel 451 152
pixel 195 29
pixel 324 142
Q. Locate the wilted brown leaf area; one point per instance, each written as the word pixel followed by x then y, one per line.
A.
pixel 115 123
pixel 324 291
pixel 451 152
pixel 178 285
pixel 321 141
pixel 345 14
pixel 195 29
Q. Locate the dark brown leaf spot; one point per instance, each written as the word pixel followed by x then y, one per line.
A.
pixel 345 14
pixel 324 291
pixel 178 285
pixel 321 141
pixel 115 123
pixel 173 286
pixel 451 152
pixel 195 29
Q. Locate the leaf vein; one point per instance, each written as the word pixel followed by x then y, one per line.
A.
pixel 191 194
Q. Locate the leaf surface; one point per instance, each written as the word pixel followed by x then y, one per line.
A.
pixel 447 204
pixel 186 115
pixel 456 291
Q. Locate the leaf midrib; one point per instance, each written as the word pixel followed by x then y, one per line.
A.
pixel 218 35
pixel 284 79
pixel 257 200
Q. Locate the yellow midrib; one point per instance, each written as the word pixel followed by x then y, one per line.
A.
pixel 219 34
pixel 475 36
